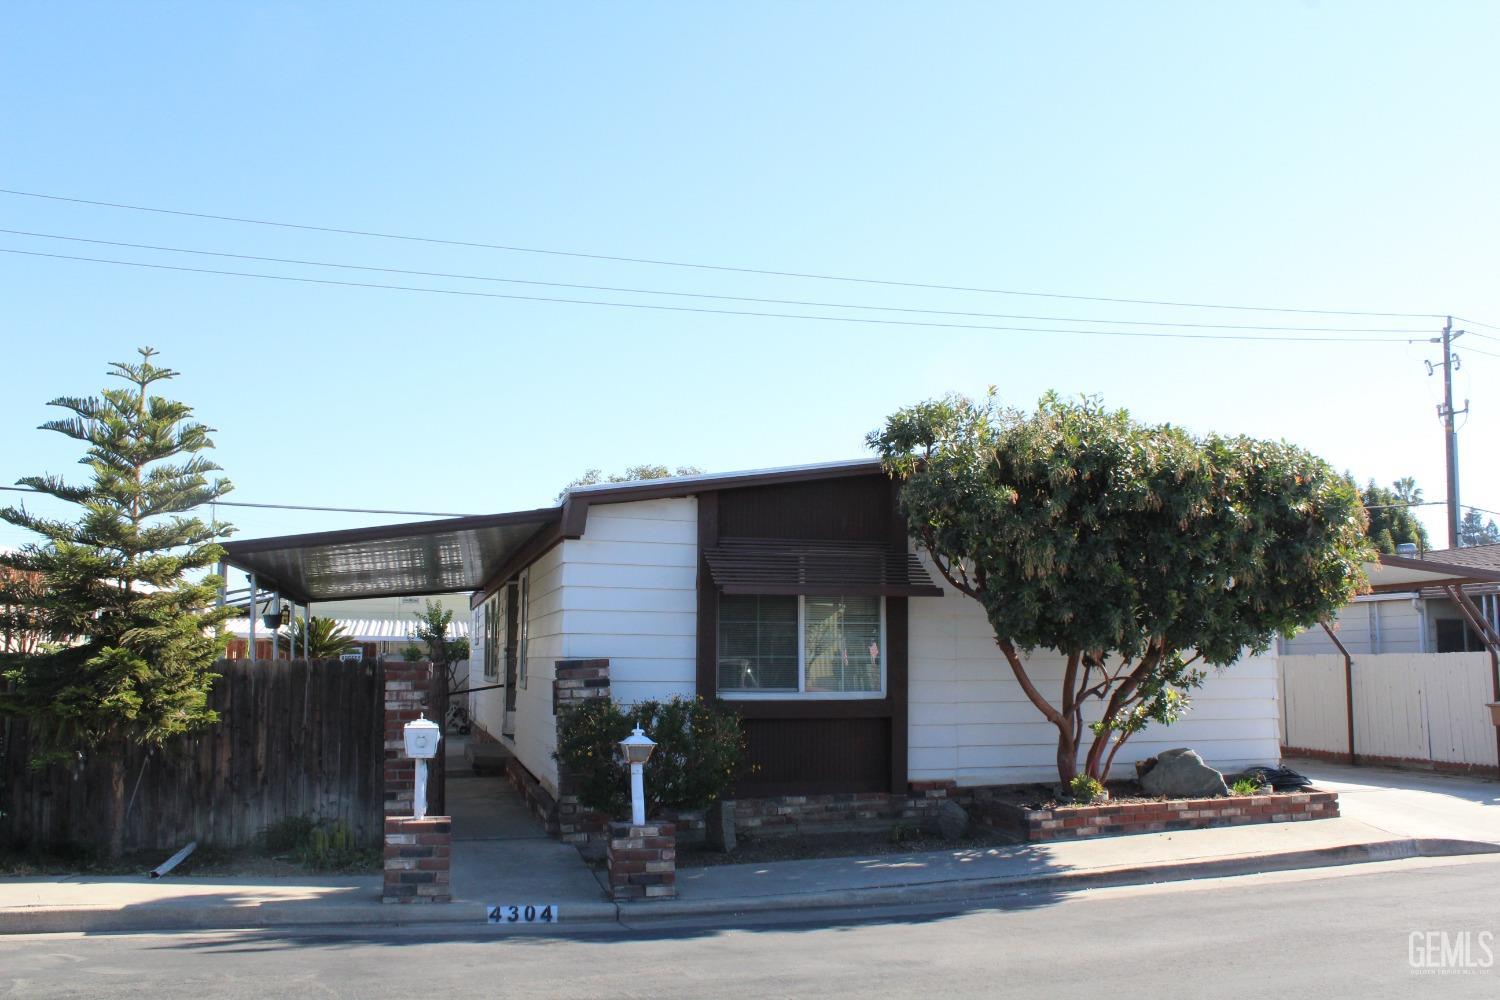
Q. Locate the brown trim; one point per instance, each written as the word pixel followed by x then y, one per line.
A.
pixel 530 551
pixel 1460 573
pixel 659 490
pixel 1348 685
pixel 415 529
pixel 896 666
pixel 818 590
pixel 708 598
pixel 575 517
pixel 811 708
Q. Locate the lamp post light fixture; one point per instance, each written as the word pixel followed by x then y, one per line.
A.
pixel 637 749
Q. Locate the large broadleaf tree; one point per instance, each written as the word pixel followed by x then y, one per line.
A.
pixel 127 611
pixel 1140 553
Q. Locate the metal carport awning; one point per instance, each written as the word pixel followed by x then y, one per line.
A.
pixel 423 557
pixel 793 566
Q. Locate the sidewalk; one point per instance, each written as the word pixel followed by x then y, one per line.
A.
pixel 1388 815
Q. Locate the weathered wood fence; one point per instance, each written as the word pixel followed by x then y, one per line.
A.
pixel 295 738
pixel 1411 708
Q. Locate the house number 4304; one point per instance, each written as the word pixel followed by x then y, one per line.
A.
pixel 523 914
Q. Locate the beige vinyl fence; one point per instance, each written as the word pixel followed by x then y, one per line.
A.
pixel 1415 707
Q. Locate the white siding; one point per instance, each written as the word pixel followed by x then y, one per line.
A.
pixel 630 593
pixel 1391 624
pixel 487 708
pixel 970 721
pixel 626 591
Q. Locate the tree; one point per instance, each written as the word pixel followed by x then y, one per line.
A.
pixel 433 623
pixel 1392 517
pixel 322 639
pixel 635 473
pixel 1140 553
pixel 20 622
pixel 137 639
pixel 1474 530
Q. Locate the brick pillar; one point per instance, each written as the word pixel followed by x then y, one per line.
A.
pixel 642 861
pixel 577 681
pixel 406 694
pixel 417 853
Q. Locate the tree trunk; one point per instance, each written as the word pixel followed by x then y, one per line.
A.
pixel 115 845
pixel 1067 755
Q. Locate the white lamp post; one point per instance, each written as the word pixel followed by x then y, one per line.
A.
pixel 637 749
pixel 422 738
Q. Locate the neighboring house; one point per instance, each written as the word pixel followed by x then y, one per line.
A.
pixel 1405 673
pixel 796 594
pixel 381 626
pixel 1409 610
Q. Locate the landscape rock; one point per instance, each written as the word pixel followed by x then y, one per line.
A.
pixel 1181 773
pixel 952 820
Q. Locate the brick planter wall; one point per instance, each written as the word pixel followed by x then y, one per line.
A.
pixel 642 861
pixel 406 693
pixel 1070 822
pixel 576 681
pixel 417 855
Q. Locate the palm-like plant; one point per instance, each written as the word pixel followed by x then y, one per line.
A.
pixel 325 639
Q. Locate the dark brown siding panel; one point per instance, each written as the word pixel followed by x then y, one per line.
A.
pixel 895 681
pixel 853 509
pixel 708 598
pixel 816 756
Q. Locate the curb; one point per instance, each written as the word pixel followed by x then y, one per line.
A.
pixel 590 915
pixel 973 890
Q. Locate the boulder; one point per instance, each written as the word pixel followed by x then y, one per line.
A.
pixel 718 827
pixel 952 820
pixel 1181 773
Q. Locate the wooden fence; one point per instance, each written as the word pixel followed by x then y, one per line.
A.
pixel 295 738
pixel 1416 708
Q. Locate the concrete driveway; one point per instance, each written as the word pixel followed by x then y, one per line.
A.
pixel 1420 804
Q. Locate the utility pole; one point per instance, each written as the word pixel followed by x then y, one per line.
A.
pixel 1450 431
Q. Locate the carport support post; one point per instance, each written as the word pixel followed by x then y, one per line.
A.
pixel 1348 686
pixel 1491 639
pixel 254 613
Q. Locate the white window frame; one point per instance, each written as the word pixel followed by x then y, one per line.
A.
pixel 802 694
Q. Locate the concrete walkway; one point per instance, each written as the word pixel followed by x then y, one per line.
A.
pixel 500 856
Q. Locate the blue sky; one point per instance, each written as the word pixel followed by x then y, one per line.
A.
pixel 1307 155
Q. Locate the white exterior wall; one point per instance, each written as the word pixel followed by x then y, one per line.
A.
pixel 486 708
pixel 1375 624
pixel 626 592
pixel 971 722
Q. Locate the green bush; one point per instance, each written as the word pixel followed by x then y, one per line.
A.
pixel 316 844
pixel 1245 786
pixel 700 750
pixel 1084 789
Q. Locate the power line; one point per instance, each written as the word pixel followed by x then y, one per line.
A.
pixel 766 272
pixel 704 295
pixel 707 311
pixel 1475 322
pixel 289 506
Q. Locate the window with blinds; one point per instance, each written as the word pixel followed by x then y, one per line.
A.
pixel 787 645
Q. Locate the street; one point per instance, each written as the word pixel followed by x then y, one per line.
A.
pixel 1327 933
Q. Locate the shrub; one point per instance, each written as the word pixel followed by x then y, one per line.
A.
pixel 316 844
pixel 1084 789
pixel 1245 786
pixel 700 749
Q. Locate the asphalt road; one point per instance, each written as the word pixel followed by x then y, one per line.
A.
pixel 1326 934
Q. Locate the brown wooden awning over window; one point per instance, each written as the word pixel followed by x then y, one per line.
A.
pixel 790 566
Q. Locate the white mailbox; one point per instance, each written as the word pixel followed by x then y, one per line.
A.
pixel 421 738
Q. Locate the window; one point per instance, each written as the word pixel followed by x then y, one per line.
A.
pixel 788 645
pixel 523 616
pixel 493 640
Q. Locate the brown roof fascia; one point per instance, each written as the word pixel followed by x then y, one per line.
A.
pixel 1461 574
pixel 414 529
pixel 530 551
pixel 576 507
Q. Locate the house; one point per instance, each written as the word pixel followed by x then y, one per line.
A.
pixel 380 626
pixel 795 594
pixel 1405 674
pixel 1411 609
